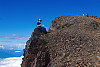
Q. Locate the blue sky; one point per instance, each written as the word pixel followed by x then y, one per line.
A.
pixel 18 18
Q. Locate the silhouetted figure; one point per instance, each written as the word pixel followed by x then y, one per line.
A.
pixel 87 15
pixel 41 27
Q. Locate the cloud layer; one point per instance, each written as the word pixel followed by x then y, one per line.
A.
pixel 13 41
pixel 13 46
pixel 1 47
pixel 11 62
pixel 15 36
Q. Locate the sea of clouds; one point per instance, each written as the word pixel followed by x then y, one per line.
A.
pixel 8 44
pixel 11 62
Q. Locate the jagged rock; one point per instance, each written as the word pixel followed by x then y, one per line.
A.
pixel 40 30
pixel 35 52
pixel 73 41
pixel 66 21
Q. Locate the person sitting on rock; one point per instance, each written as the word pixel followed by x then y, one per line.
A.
pixel 39 26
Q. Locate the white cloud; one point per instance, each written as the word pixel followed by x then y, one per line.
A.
pixel 11 48
pixel 5 41
pixel 1 47
pixel 17 51
pixel 21 38
pixel 20 46
pixel 11 62
pixel 28 35
pixel 13 34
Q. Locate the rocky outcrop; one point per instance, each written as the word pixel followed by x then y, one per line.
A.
pixel 93 17
pixel 35 52
pixel 63 21
pixel 73 41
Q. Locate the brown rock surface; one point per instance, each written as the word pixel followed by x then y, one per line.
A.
pixel 35 52
pixel 73 41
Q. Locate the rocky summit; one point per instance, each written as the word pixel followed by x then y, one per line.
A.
pixel 71 41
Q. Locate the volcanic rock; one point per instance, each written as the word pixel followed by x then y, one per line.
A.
pixel 72 41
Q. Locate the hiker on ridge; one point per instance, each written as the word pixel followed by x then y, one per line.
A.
pixel 39 25
pixel 87 15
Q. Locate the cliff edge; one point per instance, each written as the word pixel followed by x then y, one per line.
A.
pixel 73 41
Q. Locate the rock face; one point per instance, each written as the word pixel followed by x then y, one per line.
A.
pixel 73 41
pixel 63 21
pixel 35 52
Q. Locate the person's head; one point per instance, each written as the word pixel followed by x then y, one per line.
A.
pixel 39 20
